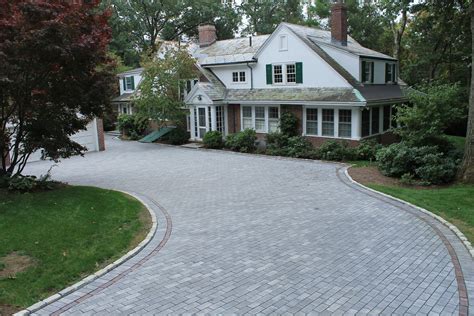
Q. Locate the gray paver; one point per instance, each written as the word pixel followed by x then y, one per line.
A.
pixel 262 235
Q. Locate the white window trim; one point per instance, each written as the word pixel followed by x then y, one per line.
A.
pixel 336 121
pixel 238 77
pixel 126 83
pixel 266 130
pixel 284 74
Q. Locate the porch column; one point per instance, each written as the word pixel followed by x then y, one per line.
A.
pixel 213 118
pixel 192 121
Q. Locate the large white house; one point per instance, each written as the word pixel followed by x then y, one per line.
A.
pixel 336 87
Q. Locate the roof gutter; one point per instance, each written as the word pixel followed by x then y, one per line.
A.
pixel 229 63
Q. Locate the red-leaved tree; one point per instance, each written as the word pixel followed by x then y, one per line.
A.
pixel 55 76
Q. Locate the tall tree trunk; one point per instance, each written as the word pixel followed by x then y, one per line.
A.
pixel 398 31
pixel 466 173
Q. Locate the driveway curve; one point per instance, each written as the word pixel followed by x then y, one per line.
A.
pixel 253 234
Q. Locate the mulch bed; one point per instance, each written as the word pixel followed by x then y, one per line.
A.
pixel 372 175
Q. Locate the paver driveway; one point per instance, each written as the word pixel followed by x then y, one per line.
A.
pixel 256 234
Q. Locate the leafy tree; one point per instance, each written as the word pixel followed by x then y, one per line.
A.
pixel 433 108
pixel 466 172
pixel 163 79
pixel 265 15
pixel 55 75
pixel 144 23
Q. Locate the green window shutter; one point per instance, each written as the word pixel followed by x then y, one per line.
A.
pixel 133 82
pixel 364 79
pixel 269 74
pixel 387 72
pixel 299 72
pixel 372 72
pixel 124 83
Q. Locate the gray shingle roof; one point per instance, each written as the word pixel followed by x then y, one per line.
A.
pixel 230 51
pixel 131 71
pixel 293 94
pixel 382 93
pixel 126 97
pixel 318 36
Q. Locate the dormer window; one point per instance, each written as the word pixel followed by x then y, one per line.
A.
pixel 280 74
pixel 238 76
pixel 390 73
pixel 367 71
pixel 129 83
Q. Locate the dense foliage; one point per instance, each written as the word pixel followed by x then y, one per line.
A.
pixel 213 139
pixel 244 141
pixel 178 136
pixel 55 76
pixel 132 125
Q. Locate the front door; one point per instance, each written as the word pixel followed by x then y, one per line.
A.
pixel 202 122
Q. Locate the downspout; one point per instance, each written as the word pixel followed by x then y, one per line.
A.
pixel 251 76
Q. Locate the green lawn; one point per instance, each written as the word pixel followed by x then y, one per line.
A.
pixel 454 203
pixel 68 234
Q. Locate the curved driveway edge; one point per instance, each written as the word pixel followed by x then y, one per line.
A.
pixel 463 264
pixel 89 279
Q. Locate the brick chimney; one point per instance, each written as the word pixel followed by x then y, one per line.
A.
pixel 339 23
pixel 207 35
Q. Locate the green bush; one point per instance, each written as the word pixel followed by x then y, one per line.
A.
pixel 132 125
pixel 243 141
pixel 367 150
pixel 289 124
pixel 299 147
pixel 276 140
pixel 177 136
pixel 213 139
pixel 425 163
pixel 338 151
pixel 23 184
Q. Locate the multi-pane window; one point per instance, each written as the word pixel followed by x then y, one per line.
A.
pixel 129 83
pixel 375 120
pixel 277 74
pixel 328 122
pixel 386 117
pixel 390 72
pixel 273 117
pixel 365 122
pixel 312 121
pixel 367 71
pixel 260 118
pixel 247 117
pixel 345 126
pixel 238 76
pixel 220 121
pixel 291 73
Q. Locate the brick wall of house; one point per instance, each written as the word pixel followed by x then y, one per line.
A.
pixel 100 134
pixel 233 112
pixel 318 141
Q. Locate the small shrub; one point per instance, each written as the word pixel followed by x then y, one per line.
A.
pixel 177 136
pixel 132 125
pixel 425 163
pixel 276 140
pixel 367 150
pixel 243 141
pixel 213 139
pixel 22 183
pixel 289 124
pixel 337 151
pixel 299 147
pixel 407 179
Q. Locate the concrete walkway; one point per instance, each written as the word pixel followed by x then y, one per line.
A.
pixel 252 234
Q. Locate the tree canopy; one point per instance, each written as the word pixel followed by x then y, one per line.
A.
pixel 55 76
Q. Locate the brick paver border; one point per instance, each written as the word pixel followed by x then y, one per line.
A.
pixel 418 211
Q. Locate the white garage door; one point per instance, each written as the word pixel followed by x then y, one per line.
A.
pixel 87 138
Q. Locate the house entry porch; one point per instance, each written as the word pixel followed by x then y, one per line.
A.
pixel 205 118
